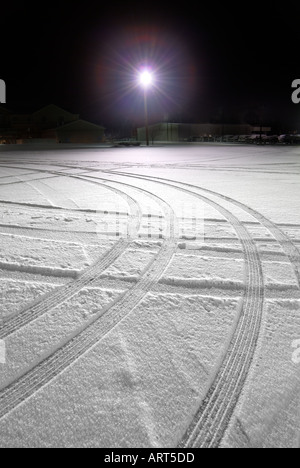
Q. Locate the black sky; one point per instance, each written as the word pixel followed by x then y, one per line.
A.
pixel 219 60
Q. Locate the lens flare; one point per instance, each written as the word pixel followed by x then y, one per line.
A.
pixel 141 57
pixel 145 78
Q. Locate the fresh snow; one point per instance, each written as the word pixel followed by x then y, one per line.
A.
pixel 134 280
pixel 14 293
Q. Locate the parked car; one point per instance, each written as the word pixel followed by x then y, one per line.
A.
pixel 289 139
pixel 270 139
pixel 228 137
pixel 243 138
pixel 254 138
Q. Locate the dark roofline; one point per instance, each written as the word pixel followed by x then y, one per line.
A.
pixel 79 120
pixel 53 105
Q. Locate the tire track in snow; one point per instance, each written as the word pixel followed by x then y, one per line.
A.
pixel 204 431
pixel 9 176
pixel 54 299
pixel 222 422
pixel 288 246
pixel 53 197
pixel 211 421
pixel 41 374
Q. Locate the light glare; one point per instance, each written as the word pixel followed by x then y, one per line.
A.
pixel 146 78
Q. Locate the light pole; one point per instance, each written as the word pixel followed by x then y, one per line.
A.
pixel 146 79
pixel 146 117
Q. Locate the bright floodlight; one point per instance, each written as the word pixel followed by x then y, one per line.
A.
pixel 146 78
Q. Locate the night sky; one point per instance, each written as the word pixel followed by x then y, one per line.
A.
pixel 213 61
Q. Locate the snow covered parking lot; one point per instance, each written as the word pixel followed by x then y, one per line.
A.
pixel 150 297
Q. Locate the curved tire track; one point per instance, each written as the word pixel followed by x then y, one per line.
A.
pixel 34 379
pixel 211 421
pixel 63 293
pixel 209 424
pixel 285 242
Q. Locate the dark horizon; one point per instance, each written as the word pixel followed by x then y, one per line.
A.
pixel 215 63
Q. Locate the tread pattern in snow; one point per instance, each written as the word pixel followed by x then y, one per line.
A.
pixel 40 375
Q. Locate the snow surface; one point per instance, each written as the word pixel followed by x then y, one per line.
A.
pixel 14 292
pixel 164 232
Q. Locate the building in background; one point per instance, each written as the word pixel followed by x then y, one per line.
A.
pixel 181 132
pixel 48 124
pixel 78 131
